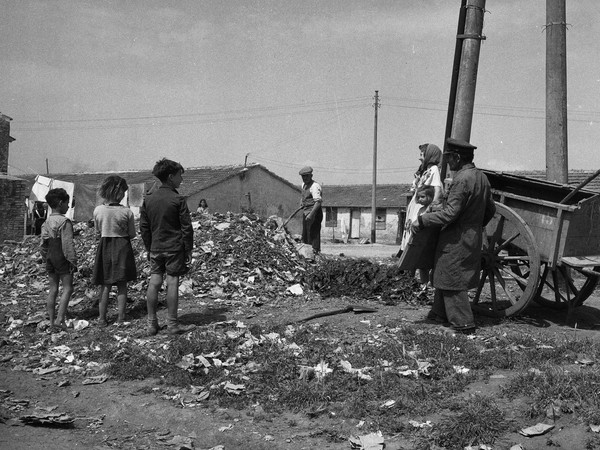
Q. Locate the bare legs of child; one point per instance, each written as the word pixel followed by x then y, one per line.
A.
pixel 152 302
pixel 58 320
pixel 173 326
pixel 121 301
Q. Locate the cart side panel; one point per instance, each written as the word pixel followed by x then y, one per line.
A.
pixel 583 235
pixel 542 220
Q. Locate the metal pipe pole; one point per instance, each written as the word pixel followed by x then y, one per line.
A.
pixel 556 92
pixel 374 189
pixel 460 29
pixel 469 62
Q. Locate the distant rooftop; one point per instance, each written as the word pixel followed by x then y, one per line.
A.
pixel 194 179
pixel 360 195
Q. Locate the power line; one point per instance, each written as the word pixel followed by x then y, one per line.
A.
pixel 331 168
pixel 192 122
pixel 508 109
pixel 245 114
pixel 203 114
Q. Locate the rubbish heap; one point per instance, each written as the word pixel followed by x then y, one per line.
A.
pixel 362 278
pixel 234 255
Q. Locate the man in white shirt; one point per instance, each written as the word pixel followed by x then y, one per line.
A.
pixel 312 213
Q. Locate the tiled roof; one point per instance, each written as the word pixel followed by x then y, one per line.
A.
pixel 194 179
pixel 359 195
pixel 575 177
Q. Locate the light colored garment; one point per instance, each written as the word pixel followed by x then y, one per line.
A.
pixel 59 226
pixel 136 194
pixel 70 188
pixel 431 177
pixel 114 221
pixel 40 188
pixel 311 194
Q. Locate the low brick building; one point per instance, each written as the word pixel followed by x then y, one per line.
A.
pixel 348 212
pixel 234 188
pixel 13 190
pixel 13 213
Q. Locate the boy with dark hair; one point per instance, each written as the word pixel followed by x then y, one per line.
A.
pixel 58 253
pixel 166 229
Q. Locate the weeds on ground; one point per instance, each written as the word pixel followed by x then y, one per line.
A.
pixel 399 373
pixel 475 421
pixel 565 390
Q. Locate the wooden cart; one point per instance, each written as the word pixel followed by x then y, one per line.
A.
pixel 542 245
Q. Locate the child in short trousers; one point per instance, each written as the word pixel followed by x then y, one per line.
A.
pixel 166 229
pixel 115 261
pixel 58 253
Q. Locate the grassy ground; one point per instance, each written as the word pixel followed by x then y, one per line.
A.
pixel 258 369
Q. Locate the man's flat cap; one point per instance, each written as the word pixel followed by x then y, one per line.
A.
pixel 306 170
pixel 459 146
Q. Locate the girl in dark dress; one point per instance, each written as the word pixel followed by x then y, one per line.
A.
pixel 115 262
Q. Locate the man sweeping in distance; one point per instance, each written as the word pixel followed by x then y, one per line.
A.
pixel 468 207
pixel 312 213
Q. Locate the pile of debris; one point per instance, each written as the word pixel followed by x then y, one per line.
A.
pixel 362 278
pixel 235 255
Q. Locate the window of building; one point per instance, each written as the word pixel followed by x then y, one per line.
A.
pixel 380 214
pixel 331 214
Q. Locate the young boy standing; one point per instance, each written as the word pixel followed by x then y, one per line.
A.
pixel 166 229
pixel 58 253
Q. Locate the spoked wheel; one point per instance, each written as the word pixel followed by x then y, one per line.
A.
pixel 510 266
pixel 562 284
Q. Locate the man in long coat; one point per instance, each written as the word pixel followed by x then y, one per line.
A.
pixel 467 209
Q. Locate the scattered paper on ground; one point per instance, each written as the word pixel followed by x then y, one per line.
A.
pixel 536 430
pixel 373 441
pixel 48 420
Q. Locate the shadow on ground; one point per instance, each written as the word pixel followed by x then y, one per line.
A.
pixel 585 317
pixel 206 317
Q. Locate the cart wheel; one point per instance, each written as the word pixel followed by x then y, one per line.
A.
pixel 562 284
pixel 510 266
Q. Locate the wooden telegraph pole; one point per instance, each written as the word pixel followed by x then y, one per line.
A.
pixel 460 30
pixel 556 92
pixel 464 73
pixel 467 75
pixel 374 189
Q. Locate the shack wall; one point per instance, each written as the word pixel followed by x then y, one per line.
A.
pixel 253 190
pixel 13 209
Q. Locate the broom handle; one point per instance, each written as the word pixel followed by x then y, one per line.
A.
pixel 326 313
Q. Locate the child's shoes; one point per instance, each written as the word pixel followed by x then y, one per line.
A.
pixel 60 326
pixel 152 329
pixel 180 329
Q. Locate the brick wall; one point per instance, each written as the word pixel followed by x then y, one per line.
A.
pixel 12 208
pixel 5 139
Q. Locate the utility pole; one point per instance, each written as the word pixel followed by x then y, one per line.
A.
pixel 460 31
pixel 556 92
pixel 374 189
pixel 47 168
pixel 469 63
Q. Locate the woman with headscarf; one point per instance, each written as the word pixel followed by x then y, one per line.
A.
pixel 428 173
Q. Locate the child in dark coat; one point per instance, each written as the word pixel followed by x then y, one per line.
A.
pixel 166 229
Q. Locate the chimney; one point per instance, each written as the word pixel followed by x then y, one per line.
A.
pixel 5 139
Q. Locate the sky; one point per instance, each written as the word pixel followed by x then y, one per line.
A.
pixel 100 85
